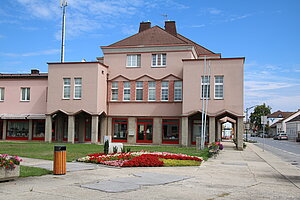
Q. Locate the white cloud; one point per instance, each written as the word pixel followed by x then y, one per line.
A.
pixel 214 11
pixel 266 85
pixel 38 53
pixel 198 26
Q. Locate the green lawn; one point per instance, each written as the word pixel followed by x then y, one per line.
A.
pixel 33 171
pixel 74 151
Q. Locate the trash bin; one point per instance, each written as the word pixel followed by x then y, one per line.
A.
pixel 60 159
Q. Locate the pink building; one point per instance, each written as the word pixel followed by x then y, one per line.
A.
pixel 146 89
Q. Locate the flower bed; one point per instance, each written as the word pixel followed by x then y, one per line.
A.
pixel 136 159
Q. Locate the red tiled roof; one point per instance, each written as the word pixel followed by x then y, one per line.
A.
pixel 278 113
pixel 158 36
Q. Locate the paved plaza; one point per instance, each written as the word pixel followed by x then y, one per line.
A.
pixel 248 174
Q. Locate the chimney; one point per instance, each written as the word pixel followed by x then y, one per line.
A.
pixel 144 26
pixel 35 71
pixel 170 27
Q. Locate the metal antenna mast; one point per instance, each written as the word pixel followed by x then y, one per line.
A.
pixel 63 5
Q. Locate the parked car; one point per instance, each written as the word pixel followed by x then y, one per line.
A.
pixel 263 135
pixel 281 136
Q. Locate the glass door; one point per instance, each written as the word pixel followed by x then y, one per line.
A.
pixel 144 130
pixel 196 131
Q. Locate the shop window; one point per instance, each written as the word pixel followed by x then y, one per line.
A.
pixel 120 129
pixel 38 132
pixel 17 129
pixel 170 131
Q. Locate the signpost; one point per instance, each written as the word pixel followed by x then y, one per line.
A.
pixel 264 121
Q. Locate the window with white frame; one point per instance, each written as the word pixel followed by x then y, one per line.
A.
pixel 126 96
pixel 77 88
pixel 67 88
pixel 219 87
pixel 159 60
pixel 151 91
pixel 134 60
pixel 177 90
pixel 164 90
pixel 1 94
pixel 114 91
pixel 25 94
pixel 139 91
pixel 205 87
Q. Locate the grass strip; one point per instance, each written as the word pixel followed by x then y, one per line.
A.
pixel 74 151
pixel 26 171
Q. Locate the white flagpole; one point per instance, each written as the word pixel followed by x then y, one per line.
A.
pixel 203 110
pixel 63 4
pixel 206 102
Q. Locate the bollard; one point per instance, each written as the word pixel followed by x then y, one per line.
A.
pixel 60 159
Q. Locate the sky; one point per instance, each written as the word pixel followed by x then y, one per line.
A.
pixel 265 32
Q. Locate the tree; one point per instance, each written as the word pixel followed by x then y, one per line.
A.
pixel 259 111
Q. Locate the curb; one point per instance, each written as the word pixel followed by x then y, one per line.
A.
pixel 288 171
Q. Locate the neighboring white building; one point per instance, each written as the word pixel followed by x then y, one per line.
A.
pixel 275 119
pixel 281 125
pixel 293 128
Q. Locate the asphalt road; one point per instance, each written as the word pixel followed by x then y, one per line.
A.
pixel 287 150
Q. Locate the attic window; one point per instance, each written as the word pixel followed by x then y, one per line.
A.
pixel 159 60
pixel 134 60
pixel 280 116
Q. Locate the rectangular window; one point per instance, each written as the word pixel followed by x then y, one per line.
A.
pixel 67 88
pixel 151 91
pixel 114 91
pixel 77 88
pixel 170 131
pixel 205 87
pixel 17 129
pixel 139 91
pixel 159 60
pixel 164 90
pixel 120 129
pixel 38 130
pixel 178 91
pixel 126 96
pixel 25 94
pixel 134 60
pixel 219 87
pixel 1 94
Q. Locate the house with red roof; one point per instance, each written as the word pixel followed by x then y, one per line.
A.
pixel 148 88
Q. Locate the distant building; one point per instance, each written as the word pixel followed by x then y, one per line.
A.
pixel 281 121
pixel 293 127
pixel 146 89
pixel 274 120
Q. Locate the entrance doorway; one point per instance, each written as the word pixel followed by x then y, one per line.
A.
pixel 144 130
pixel 196 130
pixel 1 129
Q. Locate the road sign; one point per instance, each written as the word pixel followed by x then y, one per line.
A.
pixel 264 120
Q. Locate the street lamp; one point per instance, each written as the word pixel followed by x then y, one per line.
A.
pixel 247 121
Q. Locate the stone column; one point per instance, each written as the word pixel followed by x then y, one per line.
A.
pixel 48 134
pixel 219 129
pixel 131 136
pixel 95 119
pixel 103 128
pixel 4 129
pixel 212 129
pixel 30 133
pixel 71 129
pixel 157 131
pixel 184 131
pixel 240 132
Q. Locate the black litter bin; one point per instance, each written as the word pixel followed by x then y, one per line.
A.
pixel 60 160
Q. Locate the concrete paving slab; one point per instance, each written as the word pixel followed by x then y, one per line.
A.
pixel 112 186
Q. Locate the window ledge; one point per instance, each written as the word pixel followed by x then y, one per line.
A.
pixel 25 101
pixel 133 67
pixel 162 66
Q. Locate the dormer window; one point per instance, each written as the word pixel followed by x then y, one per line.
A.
pixel 134 60
pixel 159 60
